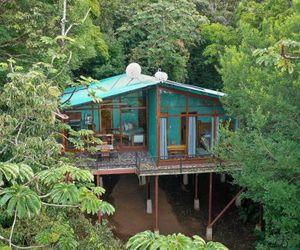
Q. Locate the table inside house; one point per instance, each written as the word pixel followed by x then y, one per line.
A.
pixel 177 149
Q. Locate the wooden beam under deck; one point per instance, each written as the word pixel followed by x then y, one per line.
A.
pixel 114 171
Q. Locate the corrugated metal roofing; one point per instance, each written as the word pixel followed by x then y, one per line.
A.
pixel 120 84
pixel 196 89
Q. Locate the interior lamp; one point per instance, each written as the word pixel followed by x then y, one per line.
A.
pixel 161 76
pixel 133 70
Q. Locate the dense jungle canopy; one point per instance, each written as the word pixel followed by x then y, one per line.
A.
pixel 248 49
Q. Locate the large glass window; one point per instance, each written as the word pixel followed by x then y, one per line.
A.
pixel 187 124
pixel 133 130
pixel 125 117
pixel 204 133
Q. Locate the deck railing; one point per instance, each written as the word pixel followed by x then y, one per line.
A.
pixel 142 161
pixel 174 162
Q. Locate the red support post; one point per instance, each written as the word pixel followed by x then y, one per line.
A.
pixel 156 204
pixel 148 188
pixel 210 198
pixel 196 186
pixel 99 183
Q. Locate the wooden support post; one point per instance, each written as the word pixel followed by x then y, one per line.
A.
pixel 210 225
pixel 148 189
pixel 210 198
pixel 196 199
pixel 156 229
pixel 99 183
pixel 260 225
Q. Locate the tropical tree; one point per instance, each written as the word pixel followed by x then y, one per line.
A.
pixel 39 185
pixel 33 173
pixel 262 83
pixel 34 31
pixel 152 241
pixel 158 34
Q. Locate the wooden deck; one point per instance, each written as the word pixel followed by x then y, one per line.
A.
pixel 142 164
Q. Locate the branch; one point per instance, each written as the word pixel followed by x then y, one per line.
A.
pixel 285 56
pixel 19 131
pixel 44 196
pixel 19 247
pixel 294 178
pixel 59 205
pixel 9 43
pixel 12 229
pixel 70 97
pixel 63 26
pixel 70 57
pixel 2 151
pixel 73 24
pixel 266 148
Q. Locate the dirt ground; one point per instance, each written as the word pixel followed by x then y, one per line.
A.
pixel 176 213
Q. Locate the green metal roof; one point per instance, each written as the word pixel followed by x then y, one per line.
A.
pixel 120 84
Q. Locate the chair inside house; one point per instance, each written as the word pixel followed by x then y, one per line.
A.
pixel 106 149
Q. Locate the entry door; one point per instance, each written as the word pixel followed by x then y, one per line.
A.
pixel 183 130
pixel 106 121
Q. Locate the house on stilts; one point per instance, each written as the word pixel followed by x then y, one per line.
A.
pixel 149 127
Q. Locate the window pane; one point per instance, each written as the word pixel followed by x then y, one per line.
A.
pixel 134 129
pixel 204 135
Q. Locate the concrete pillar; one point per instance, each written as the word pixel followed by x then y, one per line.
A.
pixel 100 181
pixel 209 233
pixel 196 204
pixel 142 180
pixel 223 178
pixel 149 206
pixel 185 179
pixel 238 201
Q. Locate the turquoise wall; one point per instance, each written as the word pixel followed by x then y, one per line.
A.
pixel 174 104
pixel 152 121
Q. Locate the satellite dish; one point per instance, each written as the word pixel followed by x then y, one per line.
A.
pixel 133 70
pixel 161 76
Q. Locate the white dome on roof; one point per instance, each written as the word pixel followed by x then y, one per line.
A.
pixel 133 70
pixel 161 76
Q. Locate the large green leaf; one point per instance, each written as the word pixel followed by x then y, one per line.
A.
pixel 53 176
pixel 20 199
pixel 91 204
pixel 65 193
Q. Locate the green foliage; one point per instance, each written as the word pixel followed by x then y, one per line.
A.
pixel 152 241
pixel 30 32
pixel 158 35
pixel 62 235
pixel 53 176
pixel 12 171
pixel 20 200
pixel 263 92
pixel 92 236
pixel 38 183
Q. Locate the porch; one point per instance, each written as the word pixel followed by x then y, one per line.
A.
pixel 143 164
